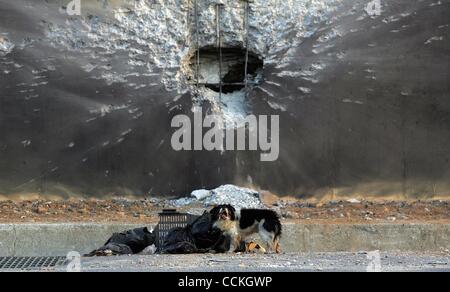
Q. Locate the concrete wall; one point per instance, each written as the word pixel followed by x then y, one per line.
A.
pixel 54 239
pixel 59 239
pixel 86 101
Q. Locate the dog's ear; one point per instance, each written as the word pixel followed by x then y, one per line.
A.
pixel 233 212
pixel 214 211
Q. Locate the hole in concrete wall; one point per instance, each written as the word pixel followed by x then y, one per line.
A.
pixel 233 68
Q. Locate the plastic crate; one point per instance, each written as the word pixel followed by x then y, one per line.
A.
pixel 170 219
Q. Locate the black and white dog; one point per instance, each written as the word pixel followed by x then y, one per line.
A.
pixel 238 225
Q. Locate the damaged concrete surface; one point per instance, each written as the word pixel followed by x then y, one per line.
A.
pixel 86 101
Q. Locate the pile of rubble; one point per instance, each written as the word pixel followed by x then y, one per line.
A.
pixel 227 194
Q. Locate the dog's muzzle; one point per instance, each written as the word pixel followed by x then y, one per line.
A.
pixel 224 215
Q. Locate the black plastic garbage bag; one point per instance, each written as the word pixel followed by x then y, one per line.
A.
pixel 179 241
pixel 205 236
pixel 197 237
pixel 111 249
pixel 127 242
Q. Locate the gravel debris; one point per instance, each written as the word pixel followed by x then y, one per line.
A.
pixel 145 211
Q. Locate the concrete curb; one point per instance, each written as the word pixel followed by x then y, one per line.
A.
pixel 59 239
pixel 54 239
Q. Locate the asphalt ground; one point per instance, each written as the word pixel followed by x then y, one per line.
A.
pixel 292 262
